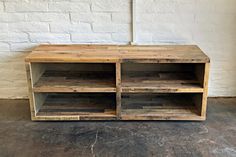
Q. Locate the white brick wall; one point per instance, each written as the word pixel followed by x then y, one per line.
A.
pixel 207 23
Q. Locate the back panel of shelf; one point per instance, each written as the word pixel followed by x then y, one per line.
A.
pixel 73 77
pixel 162 77
pixel 91 106
pixel 171 106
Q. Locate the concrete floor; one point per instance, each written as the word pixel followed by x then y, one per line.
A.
pixel 22 138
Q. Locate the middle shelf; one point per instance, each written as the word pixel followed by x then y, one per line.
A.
pixel 67 81
pixel 161 82
pixel 161 78
pixel 101 77
pixel 82 77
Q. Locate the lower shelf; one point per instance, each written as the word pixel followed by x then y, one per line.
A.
pixel 160 107
pixel 78 106
pixel 102 106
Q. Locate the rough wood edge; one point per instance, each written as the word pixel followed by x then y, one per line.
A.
pixel 118 89
pixel 161 118
pixel 73 90
pixel 205 86
pixel 73 118
pixel 30 89
pixel 158 90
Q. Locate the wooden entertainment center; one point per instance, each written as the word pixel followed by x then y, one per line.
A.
pixel 114 82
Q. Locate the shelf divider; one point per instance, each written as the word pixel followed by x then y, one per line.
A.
pixel 118 89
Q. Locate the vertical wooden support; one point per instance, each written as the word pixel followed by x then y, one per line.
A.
pixel 205 92
pixel 30 88
pixel 33 74
pixel 118 90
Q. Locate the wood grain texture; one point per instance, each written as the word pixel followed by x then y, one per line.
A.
pixel 118 90
pixel 114 53
pixel 112 82
pixel 75 81
pixel 159 107
pixel 205 93
pixel 30 88
pixel 160 82
pixel 78 105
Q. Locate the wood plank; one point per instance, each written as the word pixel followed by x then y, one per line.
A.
pixel 205 85
pixel 163 117
pixel 75 81
pixel 159 107
pixel 78 106
pixel 73 117
pixel 30 89
pixel 118 90
pixel 161 82
pixel 51 85
pixel 114 53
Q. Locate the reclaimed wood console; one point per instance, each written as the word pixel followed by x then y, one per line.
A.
pixel 108 82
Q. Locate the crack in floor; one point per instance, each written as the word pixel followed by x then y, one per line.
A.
pixel 92 146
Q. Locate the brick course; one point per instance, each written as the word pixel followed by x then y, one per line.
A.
pixel 27 23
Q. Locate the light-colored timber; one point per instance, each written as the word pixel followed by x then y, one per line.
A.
pixel 112 54
pixel 114 82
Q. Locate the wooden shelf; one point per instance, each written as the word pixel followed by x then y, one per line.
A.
pixel 161 82
pixel 82 106
pixel 64 81
pixel 159 107
pixel 114 82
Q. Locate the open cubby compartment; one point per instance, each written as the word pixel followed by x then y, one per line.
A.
pixel 162 77
pixel 161 106
pixel 73 77
pixel 75 106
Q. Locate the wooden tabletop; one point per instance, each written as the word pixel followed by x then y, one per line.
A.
pixel 118 53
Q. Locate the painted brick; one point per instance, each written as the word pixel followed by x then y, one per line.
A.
pixel 4 47
pixel 92 38
pixel 69 7
pixel 49 38
pixel 29 27
pixel 91 17
pixel 22 46
pixel 110 28
pixel 224 7
pixel 4 27
pixel 121 37
pixel 111 5
pixel 144 38
pixel 121 17
pixel 145 6
pixel 26 23
pixel 157 6
pixel 48 17
pixel 1 7
pixel 70 28
pixel 14 37
pixel 13 82
pixel 12 17
pixel 24 6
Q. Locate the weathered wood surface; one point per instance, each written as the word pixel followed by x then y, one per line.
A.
pixel 159 107
pixel 57 83
pixel 75 81
pixel 118 90
pixel 162 82
pixel 82 105
pixel 114 53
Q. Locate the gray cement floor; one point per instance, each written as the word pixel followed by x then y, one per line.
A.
pixel 22 138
